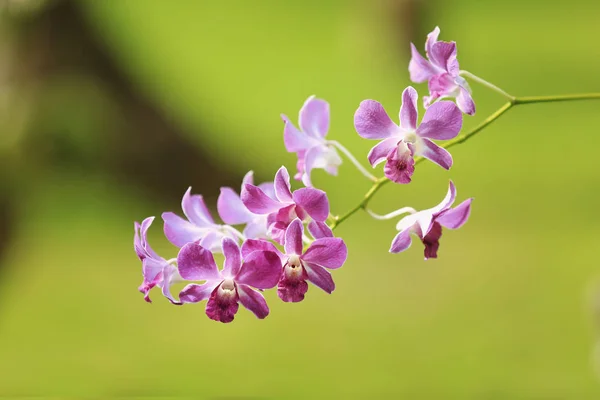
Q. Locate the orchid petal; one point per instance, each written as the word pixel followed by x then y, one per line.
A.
pixel 435 153
pixel 293 139
pixel 320 277
pixel 443 55
pixel 465 101
pixel 257 201
pixel 432 241
pixel 233 258
pixel 179 231
pixel 371 121
pixel 261 269
pixel 319 229
pixel 314 202
pixel 381 150
pixel 432 38
pixel 446 203
pixel 401 241
pixel 252 245
pixel 408 110
pixel 419 68
pixel 314 117
pixel 293 237
pixel 170 277
pixel 253 301
pixel 194 293
pixel 195 209
pixel 456 217
pixel 231 209
pixel 282 186
pixel 327 252
pixel 196 263
pixel 442 121
pixel 400 164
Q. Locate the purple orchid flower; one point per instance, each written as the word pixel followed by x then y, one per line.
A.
pixel 156 270
pixel 199 225
pixel 442 73
pixel 233 284
pixel 298 267
pixel 401 143
pixel 309 142
pixel 303 203
pixel 233 211
pixel 427 224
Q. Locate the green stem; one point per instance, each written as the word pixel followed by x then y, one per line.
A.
pixel 337 220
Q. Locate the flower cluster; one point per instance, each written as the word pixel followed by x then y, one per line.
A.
pixel 272 236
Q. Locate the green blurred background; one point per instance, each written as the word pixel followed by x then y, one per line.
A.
pixel 111 109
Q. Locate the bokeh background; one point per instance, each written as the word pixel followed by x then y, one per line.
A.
pixel 110 109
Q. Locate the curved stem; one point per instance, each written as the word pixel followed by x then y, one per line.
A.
pixel 393 214
pixel 485 83
pixel 352 159
pixel 337 220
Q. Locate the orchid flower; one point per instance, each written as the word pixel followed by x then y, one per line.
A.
pixel 441 70
pixel 232 285
pixel 233 211
pixel 156 270
pixel 401 143
pixel 300 266
pixel 305 203
pixel 199 225
pixel 309 143
pixel 427 224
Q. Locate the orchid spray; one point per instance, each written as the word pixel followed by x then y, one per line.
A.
pixel 287 240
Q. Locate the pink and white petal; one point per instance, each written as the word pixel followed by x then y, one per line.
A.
pixel 319 229
pixel 400 164
pixel 196 263
pixel 465 102
pixel 320 277
pixel 432 38
pixel 253 301
pixel 442 121
pixel 268 188
pixel 381 150
pixel 257 228
pixel 424 223
pixel 419 68
pixel 194 293
pixel 293 139
pixel 371 121
pixel 455 217
pixel 231 209
pixel 314 202
pixel 434 153
pixel 330 253
pixel 283 188
pixel 233 258
pixel 408 111
pixel 447 202
pixel 252 245
pixel 323 157
pixel 257 201
pixel 212 241
pixel 195 209
pixel 152 269
pixel 431 241
pixel 443 55
pixel 293 237
pixel 261 269
pixel 248 179
pixel 440 86
pixel 170 277
pixel 401 241
pixel 179 231
pixel 314 117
